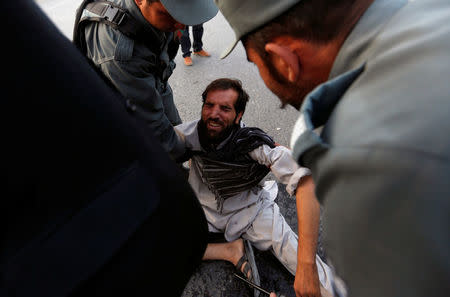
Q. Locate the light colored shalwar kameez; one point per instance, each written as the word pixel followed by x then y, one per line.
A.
pixel 253 214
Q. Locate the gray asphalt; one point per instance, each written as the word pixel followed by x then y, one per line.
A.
pixel 215 278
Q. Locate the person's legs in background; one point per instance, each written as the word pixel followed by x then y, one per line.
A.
pixel 197 32
pixel 185 42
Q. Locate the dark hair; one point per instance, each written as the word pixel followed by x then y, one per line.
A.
pixel 317 21
pixel 226 84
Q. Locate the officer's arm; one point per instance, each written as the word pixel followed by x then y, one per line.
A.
pixel 139 88
pixel 308 216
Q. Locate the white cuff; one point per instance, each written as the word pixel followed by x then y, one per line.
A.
pixel 291 187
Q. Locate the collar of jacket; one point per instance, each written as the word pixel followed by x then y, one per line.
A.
pixel 315 111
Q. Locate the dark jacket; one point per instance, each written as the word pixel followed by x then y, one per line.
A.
pixel 91 202
pixel 139 73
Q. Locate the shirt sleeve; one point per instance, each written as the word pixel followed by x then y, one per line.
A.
pixel 140 86
pixel 282 165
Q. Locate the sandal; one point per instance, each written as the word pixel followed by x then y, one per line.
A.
pixel 250 271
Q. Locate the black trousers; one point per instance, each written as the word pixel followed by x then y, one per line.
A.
pixel 185 40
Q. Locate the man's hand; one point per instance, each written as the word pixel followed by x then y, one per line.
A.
pixel 306 282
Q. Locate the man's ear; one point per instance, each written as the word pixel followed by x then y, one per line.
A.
pixel 238 118
pixel 138 2
pixel 285 60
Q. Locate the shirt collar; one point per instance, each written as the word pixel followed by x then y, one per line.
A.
pixel 315 111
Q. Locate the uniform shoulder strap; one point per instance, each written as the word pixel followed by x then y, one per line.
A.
pixel 113 15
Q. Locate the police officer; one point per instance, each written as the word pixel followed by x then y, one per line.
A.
pixel 133 44
pixel 373 75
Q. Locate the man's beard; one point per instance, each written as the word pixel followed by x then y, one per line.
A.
pixel 207 140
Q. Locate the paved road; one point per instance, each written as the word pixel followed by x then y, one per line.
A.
pixel 215 278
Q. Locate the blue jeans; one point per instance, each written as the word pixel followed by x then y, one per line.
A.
pixel 197 32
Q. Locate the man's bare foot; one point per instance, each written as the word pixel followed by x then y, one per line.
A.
pixel 233 252
pixel 238 251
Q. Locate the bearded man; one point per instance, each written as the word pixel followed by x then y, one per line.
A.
pixel 229 162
